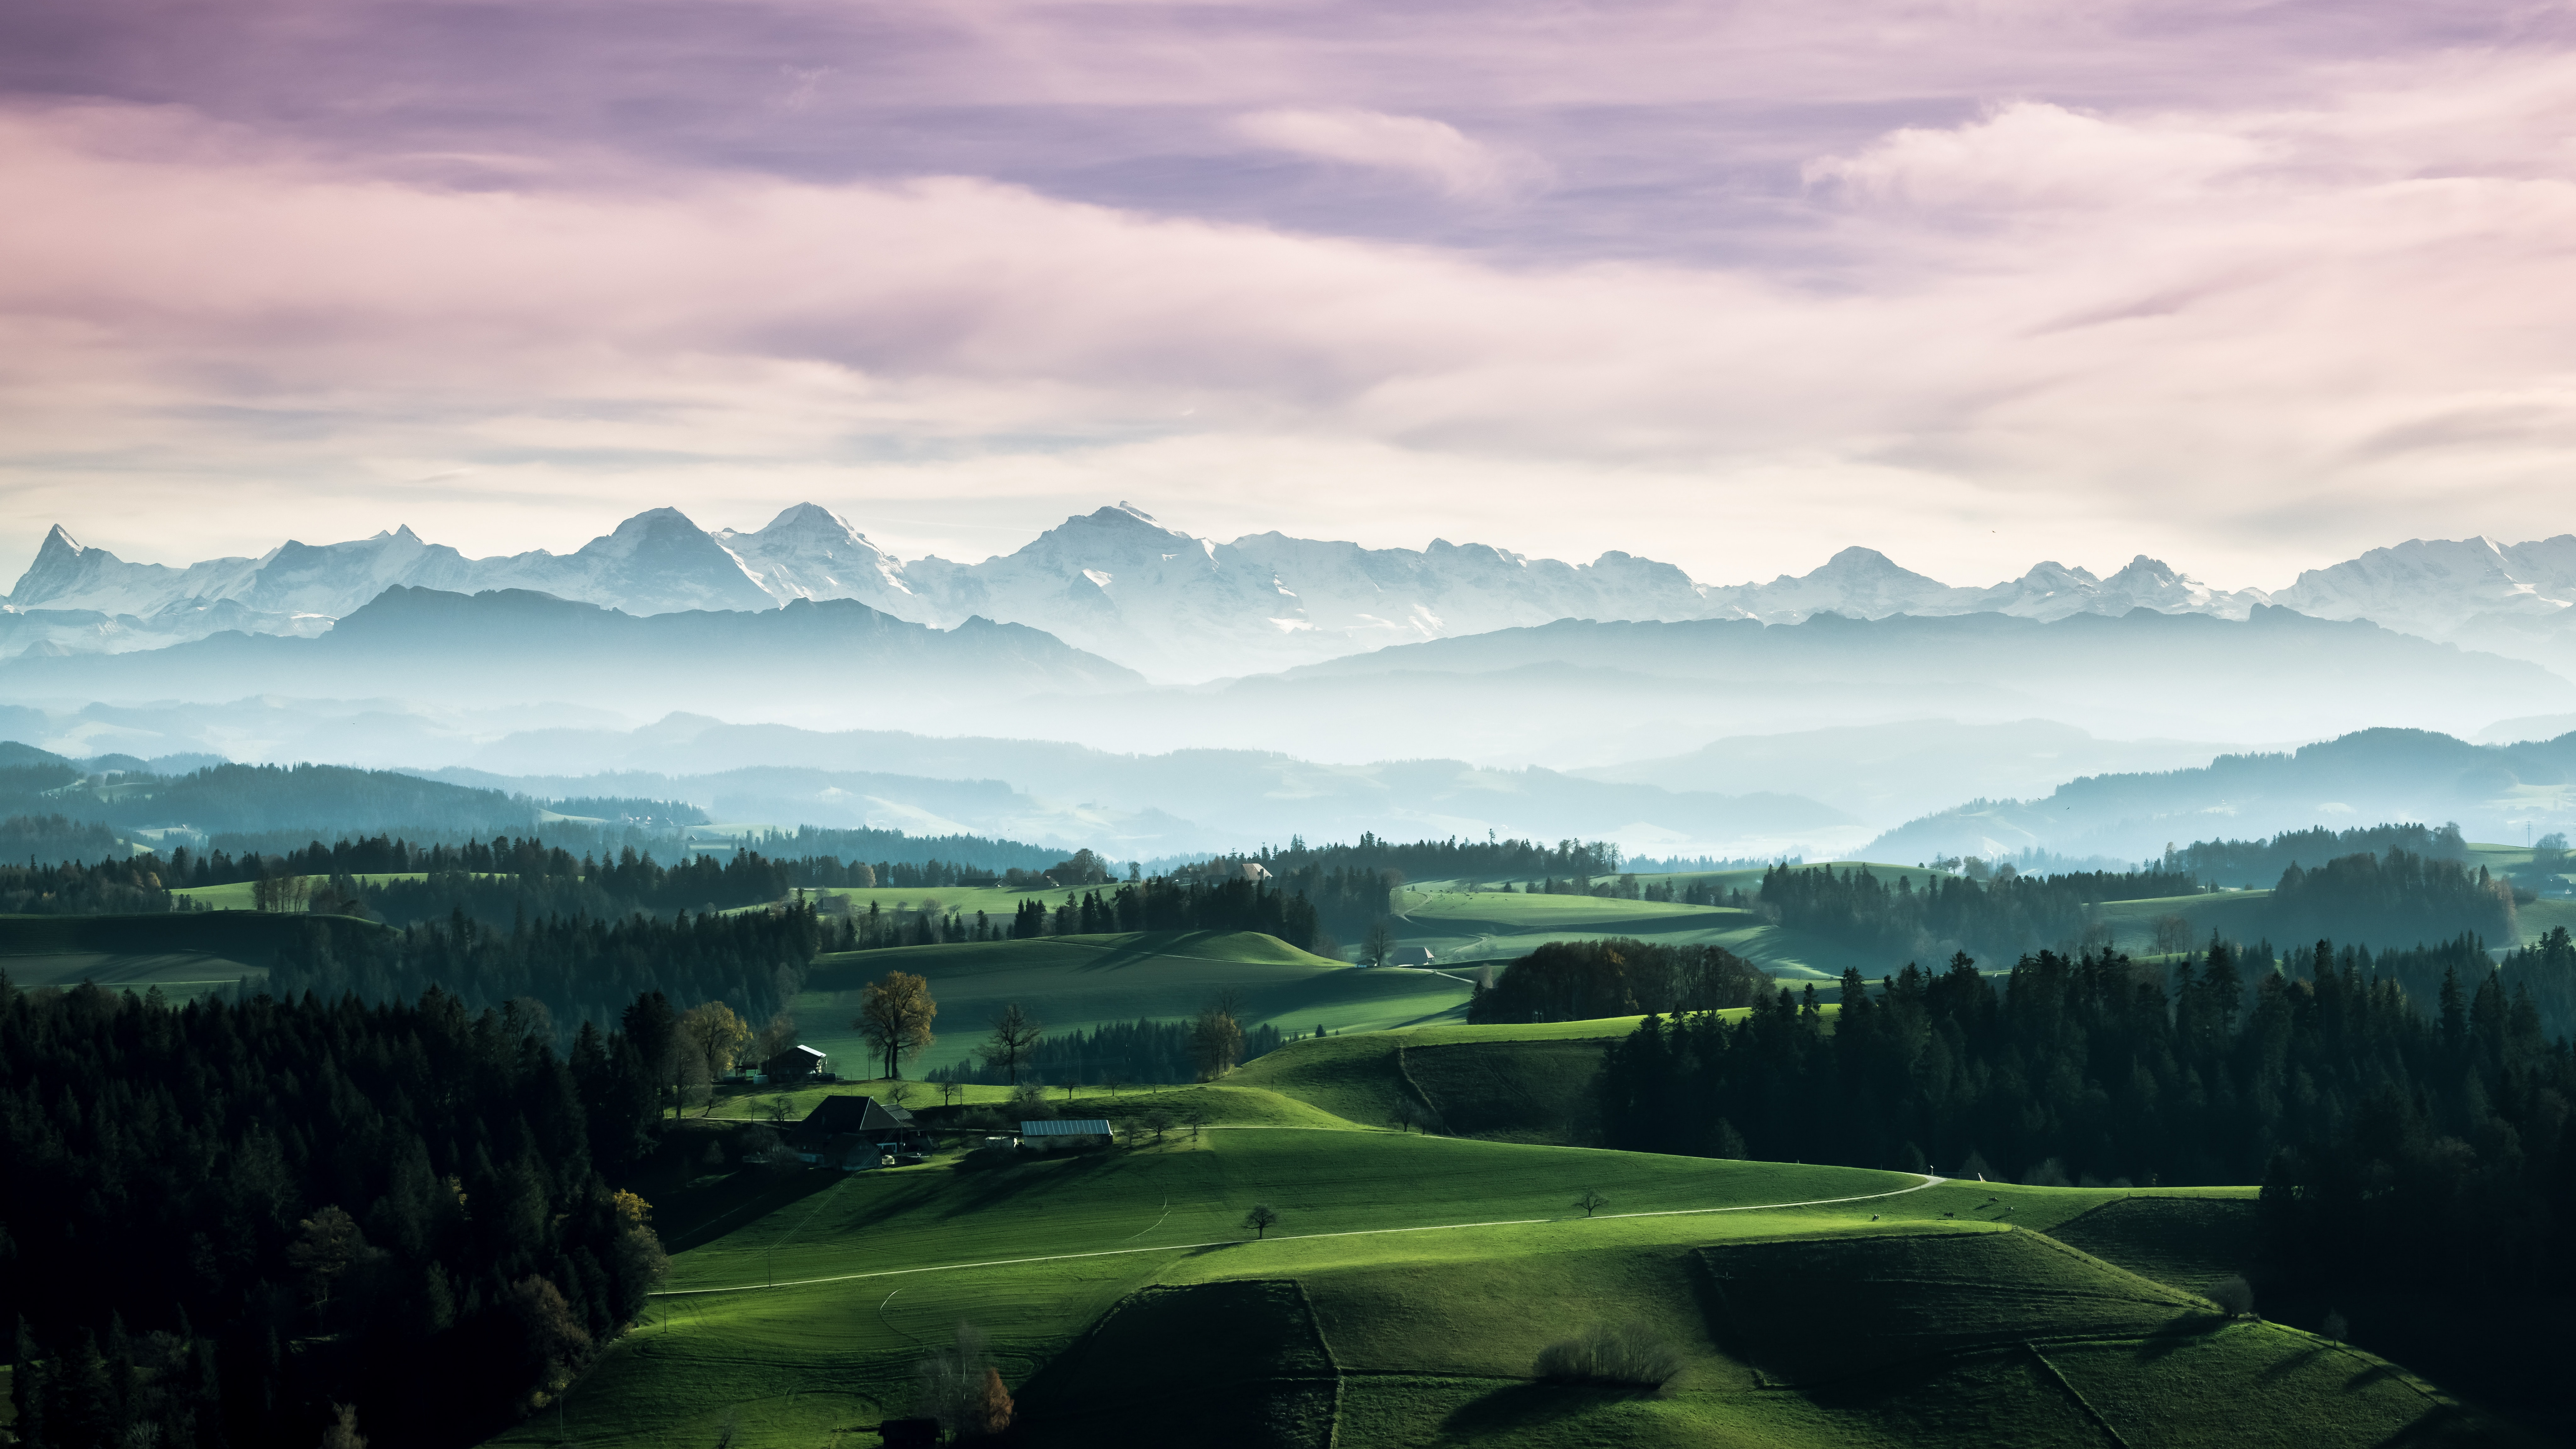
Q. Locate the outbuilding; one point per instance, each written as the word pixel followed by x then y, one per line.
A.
pixel 1067 1130
pixel 796 1064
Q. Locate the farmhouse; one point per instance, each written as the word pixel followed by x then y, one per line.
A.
pixel 852 1132
pixel 1409 956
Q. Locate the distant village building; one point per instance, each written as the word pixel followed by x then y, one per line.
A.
pixel 1409 956
pixel 1255 871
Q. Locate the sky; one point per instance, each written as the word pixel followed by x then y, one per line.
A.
pixel 2248 287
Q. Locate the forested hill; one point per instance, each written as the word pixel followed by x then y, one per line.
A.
pixel 2386 900
pixel 2493 791
pixel 399 1208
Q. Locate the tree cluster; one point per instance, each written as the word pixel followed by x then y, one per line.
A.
pixel 1451 859
pixel 1160 903
pixel 2388 898
pixel 578 968
pixel 2260 862
pixel 1998 917
pixel 1579 980
pixel 1134 1051
pixel 113 886
pixel 222 1220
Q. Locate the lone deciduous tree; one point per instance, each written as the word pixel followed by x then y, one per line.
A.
pixel 1261 1219
pixel 342 1431
pixel 1591 1202
pixel 895 1013
pixel 716 1035
pixel 1015 1035
pixel 326 1246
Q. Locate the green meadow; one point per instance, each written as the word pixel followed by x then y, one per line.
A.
pixel 1077 982
pixel 1412 1279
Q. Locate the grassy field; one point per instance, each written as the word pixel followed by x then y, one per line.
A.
pixel 1411 1280
pixel 1076 982
pixel 186 954
pixel 1464 928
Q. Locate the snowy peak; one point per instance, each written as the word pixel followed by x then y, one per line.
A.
pixel 810 552
pixel 1118 582
pixel 2437 587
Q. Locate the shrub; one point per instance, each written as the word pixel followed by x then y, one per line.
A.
pixel 1627 1356
pixel 2233 1295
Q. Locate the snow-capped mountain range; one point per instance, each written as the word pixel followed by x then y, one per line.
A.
pixel 1180 608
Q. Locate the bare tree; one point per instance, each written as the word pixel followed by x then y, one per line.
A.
pixel 1591 1202
pixel 1197 1118
pixel 962 1388
pixel 342 1431
pixel 1378 944
pixel 1015 1034
pixel 1216 1038
pixel 1158 1122
pixel 1629 1356
pixel 2233 1295
pixel 1261 1219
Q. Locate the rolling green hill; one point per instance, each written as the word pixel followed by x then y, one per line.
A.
pixel 1076 982
pixel 1409 1284
pixel 186 954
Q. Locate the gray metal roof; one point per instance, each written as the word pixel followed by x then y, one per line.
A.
pixel 1067 1127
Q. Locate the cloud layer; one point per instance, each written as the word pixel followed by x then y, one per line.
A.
pixel 2251 290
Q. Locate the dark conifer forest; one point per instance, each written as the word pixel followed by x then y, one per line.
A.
pixel 222 1220
pixel 1142 1051
pixel 2423 1137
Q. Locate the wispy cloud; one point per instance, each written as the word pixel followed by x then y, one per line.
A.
pixel 2007 281
pixel 1414 146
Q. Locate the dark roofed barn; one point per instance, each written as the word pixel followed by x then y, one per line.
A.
pixel 845 1128
pixel 793 1065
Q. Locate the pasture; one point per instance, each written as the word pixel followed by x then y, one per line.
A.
pixel 1077 982
pixel 1409 1284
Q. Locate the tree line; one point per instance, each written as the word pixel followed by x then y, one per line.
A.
pixel 1141 1051
pixel 2429 1136
pixel 1159 903
pixel 2388 898
pixel 222 1220
pixel 576 968
pixel 2256 862
pixel 1450 859
pixel 2001 916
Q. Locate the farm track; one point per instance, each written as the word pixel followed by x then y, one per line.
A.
pixel 1928 1181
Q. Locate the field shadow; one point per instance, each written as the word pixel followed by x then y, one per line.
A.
pixel 2178 1332
pixel 2289 1364
pixel 1524 1406
pixel 728 1211
pixel 1145 948
pixel 2370 1376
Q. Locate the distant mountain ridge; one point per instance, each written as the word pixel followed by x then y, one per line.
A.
pixel 513 645
pixel 1120 584
pixel 2494 792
